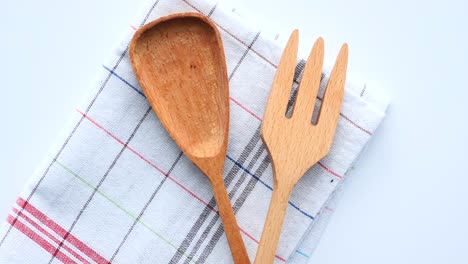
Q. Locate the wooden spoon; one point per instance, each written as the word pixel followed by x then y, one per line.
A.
pixel 179 62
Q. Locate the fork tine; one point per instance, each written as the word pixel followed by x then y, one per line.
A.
pixel 310 83
pixel 281 87
pixel 333 97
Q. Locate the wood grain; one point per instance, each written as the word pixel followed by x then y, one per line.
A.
pixel 180 64
pixel 295 144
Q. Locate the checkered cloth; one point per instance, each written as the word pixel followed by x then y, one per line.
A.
pixel 116 188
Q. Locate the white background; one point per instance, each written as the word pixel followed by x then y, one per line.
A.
pixel 407 201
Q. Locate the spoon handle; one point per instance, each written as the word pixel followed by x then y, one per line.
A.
pixel 273 224
pixel 234 237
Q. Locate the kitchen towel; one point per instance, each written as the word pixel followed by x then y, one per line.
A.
pixel 117 189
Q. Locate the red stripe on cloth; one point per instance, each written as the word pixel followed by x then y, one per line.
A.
pixel 146 160
pixel 250 236
pixel 280 258
pixel 246 109
pixel 356 125
pixel 49 235
pixel 329 170
pixel 61 231
pixel 351 121
pixel 162 172
pixel 38 239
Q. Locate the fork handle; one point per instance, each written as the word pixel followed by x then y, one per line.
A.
pixel 273 224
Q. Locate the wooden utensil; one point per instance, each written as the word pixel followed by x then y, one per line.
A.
pixel 294 143
pixel 179 62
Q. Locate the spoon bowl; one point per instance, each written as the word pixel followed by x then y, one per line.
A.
pixel 179 58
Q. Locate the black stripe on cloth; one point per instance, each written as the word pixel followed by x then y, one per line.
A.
pixel 243 55
pixel 146 206
pixel 77 218
pixel 212 10
pixel 215 219
pixel 252 182
pixel 296 83
pixel 65 143
pixel 363 90
pixel 237 205
pixel 206 211
pixel 204 214
pixel 293 94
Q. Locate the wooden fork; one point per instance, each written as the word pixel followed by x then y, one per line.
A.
pixel 295 144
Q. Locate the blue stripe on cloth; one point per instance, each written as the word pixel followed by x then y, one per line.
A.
pixel 268 186
pixel 302 253
pixel 231 159
pixel 248 172
pixel 123 80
